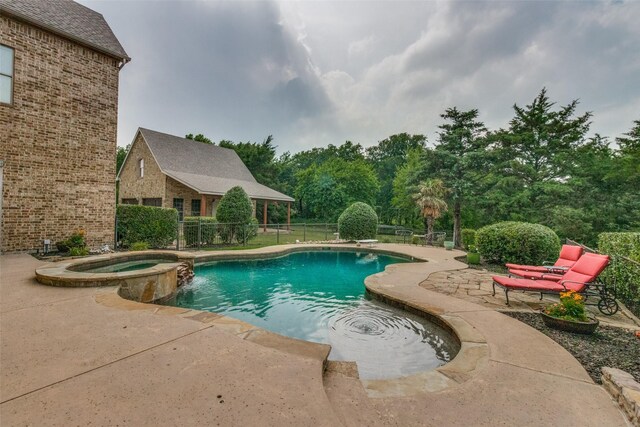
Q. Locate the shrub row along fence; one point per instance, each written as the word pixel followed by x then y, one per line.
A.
pixel 159 228
pixel 206 233
pixel 623 273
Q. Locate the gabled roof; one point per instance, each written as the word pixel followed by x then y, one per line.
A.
pixel 206 168
pixel 70 20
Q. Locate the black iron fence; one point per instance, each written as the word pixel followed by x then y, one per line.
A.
pixel 206 233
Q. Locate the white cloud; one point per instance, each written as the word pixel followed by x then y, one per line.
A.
pixel 314 73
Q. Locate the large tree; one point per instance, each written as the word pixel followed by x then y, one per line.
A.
pixel 386 158
pixel 458 159
pixel 537 155
pixel 326 190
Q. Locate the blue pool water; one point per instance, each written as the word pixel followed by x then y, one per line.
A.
pixel 320 297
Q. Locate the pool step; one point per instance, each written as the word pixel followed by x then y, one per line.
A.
pixel 349 398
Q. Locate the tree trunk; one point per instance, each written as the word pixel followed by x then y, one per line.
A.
pixel 457 224
pixel 430 230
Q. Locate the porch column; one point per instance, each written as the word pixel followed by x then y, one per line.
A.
pixel 264 215
pixel 288 215
pixel 203 205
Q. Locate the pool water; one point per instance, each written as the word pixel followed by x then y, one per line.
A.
pixel 320 297
pixel 126 266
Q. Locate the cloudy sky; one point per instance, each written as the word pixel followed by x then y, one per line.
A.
pixel 314 73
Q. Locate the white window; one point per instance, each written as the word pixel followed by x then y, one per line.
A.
pixel 6 74
pixel 141 164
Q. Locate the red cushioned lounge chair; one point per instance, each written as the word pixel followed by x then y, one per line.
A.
pixel 568 256
pixel 581 277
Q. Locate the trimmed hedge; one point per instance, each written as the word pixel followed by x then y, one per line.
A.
pixel 468 237
pixel 208 230
pixel 359 221
pixel 155 226
pixel 517 242
pixel 622 274
pixel 235 207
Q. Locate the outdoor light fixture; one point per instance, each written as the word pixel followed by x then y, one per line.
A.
pixel 46 246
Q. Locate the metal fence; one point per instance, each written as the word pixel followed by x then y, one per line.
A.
pixel 204 234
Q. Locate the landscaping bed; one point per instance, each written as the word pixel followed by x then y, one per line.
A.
pixel 494 268
pixel 608 346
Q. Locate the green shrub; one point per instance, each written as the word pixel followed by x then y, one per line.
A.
pixel 235 211
pixel 416 240
pixel 468 237
pixel 78 251
pixel 155 226
pixel 75 241
pixel 206 226
pixel 359 221
pixel 235 207
pixel 517 242
pixel 622 274
pixel 238 233
pixel 139 246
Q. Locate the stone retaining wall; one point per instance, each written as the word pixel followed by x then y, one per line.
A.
pixel 624 390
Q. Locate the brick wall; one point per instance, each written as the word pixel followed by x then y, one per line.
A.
pixel 132 186
pixel 58 140
pixel 181 191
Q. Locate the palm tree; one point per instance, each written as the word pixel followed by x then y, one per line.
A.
pixel 430 200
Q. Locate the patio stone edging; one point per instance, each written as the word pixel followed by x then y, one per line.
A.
pixel 625 390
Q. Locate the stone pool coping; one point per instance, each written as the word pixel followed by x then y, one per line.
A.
pixel 472 354
pixel 68 273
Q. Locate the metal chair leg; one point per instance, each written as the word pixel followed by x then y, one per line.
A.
pixel 506 294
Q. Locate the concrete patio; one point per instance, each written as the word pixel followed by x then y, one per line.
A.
pixel 79 356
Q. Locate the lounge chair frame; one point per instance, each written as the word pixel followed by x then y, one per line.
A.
pixel 606 303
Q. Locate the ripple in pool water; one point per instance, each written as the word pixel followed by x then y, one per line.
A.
pixel 320 296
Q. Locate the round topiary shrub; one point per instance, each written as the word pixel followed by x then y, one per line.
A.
pixel 359 221
pixel 517 242
pixel 234 213
pixel 235 207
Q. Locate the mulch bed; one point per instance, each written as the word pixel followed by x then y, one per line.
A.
pixel 608 346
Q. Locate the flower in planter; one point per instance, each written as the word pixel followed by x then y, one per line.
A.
pixel 472 249
pixel 570 307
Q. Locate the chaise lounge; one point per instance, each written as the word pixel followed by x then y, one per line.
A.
pixel 581 277
pixel 569 255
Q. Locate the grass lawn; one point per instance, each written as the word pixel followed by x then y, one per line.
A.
pixel 296 233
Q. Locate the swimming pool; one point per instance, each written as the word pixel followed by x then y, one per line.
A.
pixel 320 296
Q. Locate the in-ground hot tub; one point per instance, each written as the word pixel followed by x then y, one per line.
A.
pixel 146 276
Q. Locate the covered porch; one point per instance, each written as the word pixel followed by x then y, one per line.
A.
pixel 208 205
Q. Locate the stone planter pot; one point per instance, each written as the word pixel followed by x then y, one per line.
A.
pixel 448 245
pixel 473 258
pixel 576 327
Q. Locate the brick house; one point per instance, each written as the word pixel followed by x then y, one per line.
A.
pixel 59 68
pixel 191 176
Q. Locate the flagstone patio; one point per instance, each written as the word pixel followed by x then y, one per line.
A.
pixel 474 285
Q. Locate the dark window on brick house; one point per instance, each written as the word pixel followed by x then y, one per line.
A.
pixel 6 74
pixel 152 202
pixel 195 207
pixel 178 204
pixel 129 201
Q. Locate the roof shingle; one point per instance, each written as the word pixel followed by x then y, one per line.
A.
pixel 68 19
pixel 206 168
